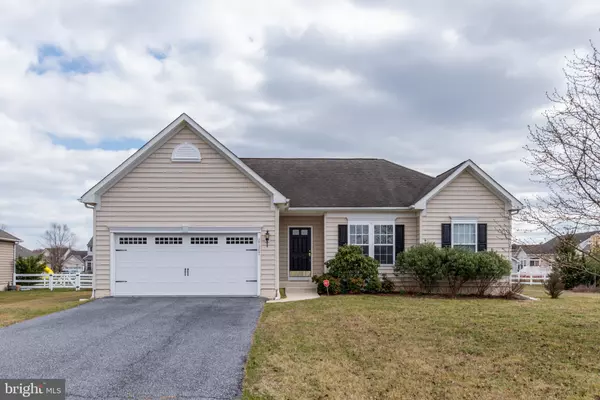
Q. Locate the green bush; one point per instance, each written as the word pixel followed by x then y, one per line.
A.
pixel 424 262
pixel 355 285
pixel 30 265
pixel 554 286
pixel 373 286
pixel 490 267
pixel 387 286
pixel 350 262
pixel 335 286
pixel 458 267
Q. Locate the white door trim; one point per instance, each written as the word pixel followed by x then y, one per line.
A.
pixel 299 278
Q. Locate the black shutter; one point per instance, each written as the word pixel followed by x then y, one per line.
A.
pixel 481 237
pixel 446 235
pixel 342 235
pixel 399 239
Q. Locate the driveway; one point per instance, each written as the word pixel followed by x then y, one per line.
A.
pixel 137 348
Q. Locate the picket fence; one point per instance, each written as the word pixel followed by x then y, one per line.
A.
pixel 54 281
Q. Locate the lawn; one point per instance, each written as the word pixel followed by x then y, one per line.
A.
pixel 19 306
pixel 361 347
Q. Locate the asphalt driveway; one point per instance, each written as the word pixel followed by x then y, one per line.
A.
pixel 137 348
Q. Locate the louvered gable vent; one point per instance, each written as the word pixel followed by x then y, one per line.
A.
pixel 186 152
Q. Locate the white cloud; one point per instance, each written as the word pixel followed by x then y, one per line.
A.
pixel 214 68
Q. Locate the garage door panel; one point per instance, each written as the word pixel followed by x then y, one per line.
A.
pixel 188 264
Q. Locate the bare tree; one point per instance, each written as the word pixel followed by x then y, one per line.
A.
pixel 57 241
pixel 564 153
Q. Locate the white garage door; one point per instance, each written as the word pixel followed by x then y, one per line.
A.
pixel 186 264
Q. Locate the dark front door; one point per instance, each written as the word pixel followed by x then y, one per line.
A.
pixel 300 252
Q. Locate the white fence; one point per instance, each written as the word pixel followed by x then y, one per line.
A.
pixel 54 281
pixel 529 277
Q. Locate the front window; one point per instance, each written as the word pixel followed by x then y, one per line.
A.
pixel 464 236
pixel 359 235
pixel 376 240
pixel 384 244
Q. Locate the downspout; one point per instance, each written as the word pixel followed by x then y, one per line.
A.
pixel 277 295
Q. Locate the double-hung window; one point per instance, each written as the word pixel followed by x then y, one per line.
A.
pixel 464 235
pixel 376 240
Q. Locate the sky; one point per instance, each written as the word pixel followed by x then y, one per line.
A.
pixel 425 84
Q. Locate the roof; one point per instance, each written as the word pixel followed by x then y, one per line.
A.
pixel 341 182
pixel 7 237
pixel 24 252
pixel 78 254
pixel 358 182
pixel 90 243
pixel 549 246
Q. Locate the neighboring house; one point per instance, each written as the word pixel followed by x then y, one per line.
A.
pixel 8 248
pixel 89 257
pixel 72 260
pixel 537 258
pixel 185 216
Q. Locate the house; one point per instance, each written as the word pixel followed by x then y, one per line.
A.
pixel 8 246
pixel 185 216
pixel 89 257
pixel 72 260
pixel 537 258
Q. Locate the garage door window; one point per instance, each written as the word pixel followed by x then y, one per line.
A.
pixel 168 240
pixel 204 240
pixel 133 240
pixel 240 240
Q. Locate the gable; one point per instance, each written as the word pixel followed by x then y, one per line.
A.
pixel 466 195
pixel 158 177
pixel 92 196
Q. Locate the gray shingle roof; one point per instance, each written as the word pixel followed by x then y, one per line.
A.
pixel 5 236
pixel 549 246
pixel 24 252
pixel 339 182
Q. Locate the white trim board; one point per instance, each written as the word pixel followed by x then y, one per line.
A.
pixel 93 195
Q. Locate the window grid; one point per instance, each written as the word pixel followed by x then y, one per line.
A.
pixel 359 235
pixel 168 240
pixel 239 240
pixel 464 236
pixel 132 240
pixel 204 240
pixel 384 244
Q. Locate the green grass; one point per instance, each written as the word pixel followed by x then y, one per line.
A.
pixel 19 306
pixel 359 347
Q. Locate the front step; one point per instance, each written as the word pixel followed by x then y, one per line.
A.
pixel 298 285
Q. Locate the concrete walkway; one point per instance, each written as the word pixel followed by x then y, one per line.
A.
pixel 297 295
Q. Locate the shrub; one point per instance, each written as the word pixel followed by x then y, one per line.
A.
pixel 350 262
pixel 30 265
pixel 373 286
pixel 424 262
pixel 586 289
pixel 387 286
pixel 355 285
pixel 490 267
pixel 554 286
pixel 335 286
pixel 458 266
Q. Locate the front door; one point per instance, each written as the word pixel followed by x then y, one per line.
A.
pixel 300 252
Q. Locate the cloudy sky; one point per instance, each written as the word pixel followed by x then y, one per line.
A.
pixel 425 84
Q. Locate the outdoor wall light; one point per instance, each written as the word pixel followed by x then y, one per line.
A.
pixel 267 237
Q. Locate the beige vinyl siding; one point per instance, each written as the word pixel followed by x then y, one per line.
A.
pixel 161 193
pixel 7 259
pixel 467 197
pixel 331 234
pixel 318 253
